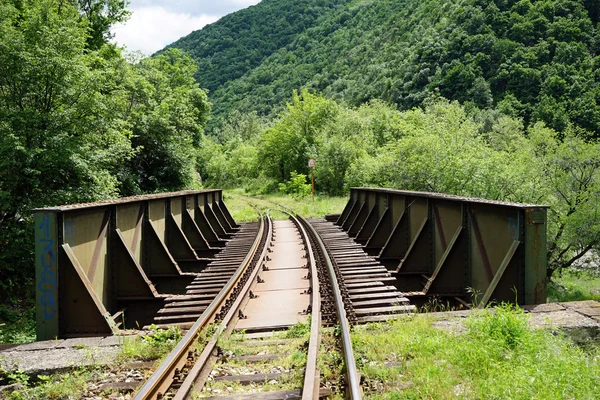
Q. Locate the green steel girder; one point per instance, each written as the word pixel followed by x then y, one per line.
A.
pixel 443 245
pixel 111 264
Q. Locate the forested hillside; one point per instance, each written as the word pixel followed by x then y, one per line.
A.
pixel 537 60
pixel 241 41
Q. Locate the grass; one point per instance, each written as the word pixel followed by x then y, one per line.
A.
pixel 17 323
pixel 60 386
pixel 155 346
pixel 498 357
pixel 237 202
pixel 330 363
pixel 74 384
pixel 575 284
pixel 291 363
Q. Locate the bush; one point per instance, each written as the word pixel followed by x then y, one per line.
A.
pixel 296 185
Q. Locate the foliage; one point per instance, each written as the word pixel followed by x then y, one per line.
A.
pixel 507 325
pixel 238 203
pixel 17 323
pixel 79 122
pixel 293 139
pixel 498 356
pixel 169 112
pixel 296 186
pixel 163 337
pixel 241 41
pixel 158 343
pixel 59 386
pixel 101 15
pixel 298 330
pixel 575 284
pixel 537 60
pixel 440 147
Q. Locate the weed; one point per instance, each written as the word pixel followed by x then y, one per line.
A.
pixel 18 323
pixel 65 386
pixel 507 325
pixel 153 346
pixel 574 284
pixel 299 330
pixel 498 357
pixel 237 203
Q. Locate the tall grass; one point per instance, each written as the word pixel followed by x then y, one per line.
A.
pixel 575 284
pixel 498 357
pixel 239 204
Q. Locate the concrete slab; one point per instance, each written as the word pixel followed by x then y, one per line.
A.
pixel 111 341
pixel 282 280
pixel 43 345
pixel 550 307
pixel 54 360
pixel 578 320
pixel 281 312
pixel 80 342
pixel 50 356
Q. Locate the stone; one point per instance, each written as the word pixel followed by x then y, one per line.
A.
pixel 550 307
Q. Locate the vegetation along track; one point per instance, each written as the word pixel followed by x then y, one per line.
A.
pixel 287 274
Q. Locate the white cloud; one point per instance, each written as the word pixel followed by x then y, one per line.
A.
pixel 245 3
pixel 151 28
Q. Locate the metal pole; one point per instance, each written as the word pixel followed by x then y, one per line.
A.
pixel 313 184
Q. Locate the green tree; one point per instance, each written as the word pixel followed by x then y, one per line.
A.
pixel 62 136
pixel 571 169
pixel 101 16
pixel 168 114
pixel 290 142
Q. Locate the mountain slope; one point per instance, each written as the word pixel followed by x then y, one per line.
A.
pixel 239 42
pixel 533 59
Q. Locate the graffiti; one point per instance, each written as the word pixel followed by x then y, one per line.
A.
pixel 69 231
pixel 512 226
pixel 47 282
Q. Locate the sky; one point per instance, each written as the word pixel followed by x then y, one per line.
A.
pixel 156 23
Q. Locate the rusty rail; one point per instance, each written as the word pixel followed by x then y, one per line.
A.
pixel 353 387
pixel 310 388
pixel 163 377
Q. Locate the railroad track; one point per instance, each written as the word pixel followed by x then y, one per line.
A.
pixel 271 276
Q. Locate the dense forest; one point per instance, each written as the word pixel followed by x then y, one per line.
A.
pixel 497 99
pixel 537 60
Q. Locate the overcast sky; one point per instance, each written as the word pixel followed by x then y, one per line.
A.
pixel 156 23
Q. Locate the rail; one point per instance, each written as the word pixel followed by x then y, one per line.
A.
pixel 163 378
pixel 353 379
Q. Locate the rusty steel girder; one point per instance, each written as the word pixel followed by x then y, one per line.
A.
pixel 109 265
pixel 451 246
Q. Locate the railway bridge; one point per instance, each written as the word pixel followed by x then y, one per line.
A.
pixel 180 259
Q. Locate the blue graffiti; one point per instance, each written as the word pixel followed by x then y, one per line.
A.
pixel 512 226
pixel 69 231
pixel 47 284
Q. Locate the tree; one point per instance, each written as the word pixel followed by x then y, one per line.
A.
pixel 168 114
pixel 102 15
pixel 288 145
pixel 572 172
pixel 62 136
pixel 62 133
